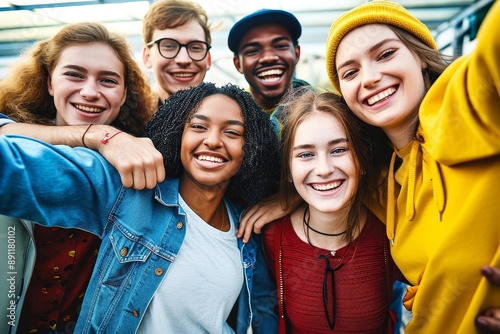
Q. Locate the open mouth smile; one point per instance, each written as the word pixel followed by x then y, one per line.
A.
pixel 271 75
pixel 92 110
pixel 328 186
pixel 210 159
pixel 183 75
pixel 381 96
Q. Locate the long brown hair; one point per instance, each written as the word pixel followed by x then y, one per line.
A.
pixel 435 62
pixel 296 109
pixel 24 92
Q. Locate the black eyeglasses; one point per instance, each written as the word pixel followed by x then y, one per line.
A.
pixel 169 48
pixel 329 276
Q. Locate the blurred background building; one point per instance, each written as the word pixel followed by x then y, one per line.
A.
pixel 454 24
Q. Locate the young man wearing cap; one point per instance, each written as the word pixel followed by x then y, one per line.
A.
pixel 177 41
pixel 266 51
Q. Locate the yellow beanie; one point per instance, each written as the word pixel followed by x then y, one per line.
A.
pixel 376 11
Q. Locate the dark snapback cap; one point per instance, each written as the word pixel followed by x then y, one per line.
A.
pixel 263 16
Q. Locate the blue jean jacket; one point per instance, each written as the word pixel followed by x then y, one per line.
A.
pixel 142 232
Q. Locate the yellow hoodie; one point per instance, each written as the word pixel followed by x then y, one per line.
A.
pixel 443 203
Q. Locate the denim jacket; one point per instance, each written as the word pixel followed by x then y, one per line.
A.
pixel 17 234
pixel 142 232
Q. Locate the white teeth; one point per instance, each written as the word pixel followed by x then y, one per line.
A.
pixel 209 158
pixel 273 73
pixel 183 75
pixel 380 96
pixel 330 186
pixel 89 109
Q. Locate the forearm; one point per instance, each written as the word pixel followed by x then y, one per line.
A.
pixel 72 135
pixel 140 165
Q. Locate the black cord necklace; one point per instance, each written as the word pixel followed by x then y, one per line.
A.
pixel 329 293
pixel 306 222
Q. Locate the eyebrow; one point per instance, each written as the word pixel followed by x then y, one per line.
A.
pixel 231 121
pixel 274 40
pixel 331 142
pixel 370 50
pixel 83 69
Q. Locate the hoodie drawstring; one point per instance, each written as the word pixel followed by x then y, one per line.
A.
pixel 414 163
pixel 437 188
pixel 391 205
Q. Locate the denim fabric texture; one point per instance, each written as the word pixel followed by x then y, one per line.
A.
pixel 142 232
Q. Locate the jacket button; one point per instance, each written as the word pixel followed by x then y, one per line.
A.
pixel 179 225
pixel 158 271
pixel 135 313
pixel 124 251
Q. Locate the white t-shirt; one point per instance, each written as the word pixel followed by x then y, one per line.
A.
pixel 202 284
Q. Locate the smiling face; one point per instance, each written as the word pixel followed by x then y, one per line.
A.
pixel 381 80
pixel 88 85
pixel 180 72
pixel 212 143
pixel 322 166
pixel 267 58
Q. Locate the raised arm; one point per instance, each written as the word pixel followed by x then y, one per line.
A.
pixel 140 165
pixel 462 105
pixel 56 185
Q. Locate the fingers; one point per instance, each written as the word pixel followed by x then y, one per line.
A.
pixel 490 319
pixel 127 179
pixel 151 172
pixel 256 217
pixel 492 274
pixel 137 161
pixel 247 222
pixel 149 175
pixel 146 172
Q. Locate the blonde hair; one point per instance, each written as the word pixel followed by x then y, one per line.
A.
pixel 24 92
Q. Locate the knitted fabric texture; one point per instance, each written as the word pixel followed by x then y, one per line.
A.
pixel 377 11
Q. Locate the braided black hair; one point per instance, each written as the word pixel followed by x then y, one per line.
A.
pixel 259 171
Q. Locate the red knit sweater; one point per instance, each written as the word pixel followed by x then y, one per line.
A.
pixel 363 280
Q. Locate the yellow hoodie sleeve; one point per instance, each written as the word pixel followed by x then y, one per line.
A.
pixel 460 115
